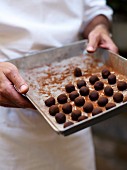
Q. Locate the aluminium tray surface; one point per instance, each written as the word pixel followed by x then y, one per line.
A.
pixel 47 73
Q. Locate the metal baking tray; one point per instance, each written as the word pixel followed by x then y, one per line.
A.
pixel 33 66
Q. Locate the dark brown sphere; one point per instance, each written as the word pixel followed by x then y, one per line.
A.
pixel 75 114
pixel 96 111
pixel 118 97
pixel 77 72
pixel 108 91
pixel 93 95
pixel 79 101
pixel 99 85
pixel 73 95
pixel 88 107
pixel 93 79
pixel 111 79
pixel 105 73
pixel 62 98
pixel 69 88
pixel 81 118
pixel 60 118
pixel 67 108
pixel 102 101
pixel 84 91
pixel 53 110
pixel 110 105
pixel 121 85
pixel 81 83
pixel 69 123
pixel 50 101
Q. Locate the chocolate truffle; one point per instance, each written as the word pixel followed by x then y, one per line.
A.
pixel 62 98
pixel 81 83
pixel 69 88
pixel 96 111
pixel 77 72
pixel 93 95
pixel 53 110
pixel 60 117
pixel 111 79
pixel 83 117
pixel 118 97
pixel 99 85
pixel 121 85
pixel 75 114
pixel 102 101
pixel 67 108
pixel 69 123
pixel 73 95
pixel 88 107
pixel 84 91
pixel 79 101
pixel 125 99
pixel 50 101
pixel 93 79
pixel 105 73
pixel 110 105
pixel 108 91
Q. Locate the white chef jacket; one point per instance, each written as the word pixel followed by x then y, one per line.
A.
pixel 26 140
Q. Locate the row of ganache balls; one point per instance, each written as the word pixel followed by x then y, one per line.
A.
pixel 79 101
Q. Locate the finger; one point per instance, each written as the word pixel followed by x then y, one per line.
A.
pixel 13 75
pixel 8 91
pixel 109 44
pixel 4 102
pixel 93 43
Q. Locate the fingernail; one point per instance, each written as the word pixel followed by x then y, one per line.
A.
pixel 23 88
pixel 90 48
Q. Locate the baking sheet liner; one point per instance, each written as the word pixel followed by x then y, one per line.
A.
pixel 47 73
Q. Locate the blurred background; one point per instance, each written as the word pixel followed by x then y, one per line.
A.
pixel 110 136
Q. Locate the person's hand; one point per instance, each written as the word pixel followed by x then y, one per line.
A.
pixel 100 37
pixel 12 86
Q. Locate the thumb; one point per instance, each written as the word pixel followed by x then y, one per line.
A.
pixel 16 79
pixel 92 44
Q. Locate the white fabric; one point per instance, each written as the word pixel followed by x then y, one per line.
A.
pixel 26 140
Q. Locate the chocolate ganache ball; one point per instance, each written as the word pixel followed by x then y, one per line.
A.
pixel 69 123
pixel 62 98
pixel 77 72
pixel 83 117
pixel 108 91
pixel 75 114
pixel 67 108
pixel 93 95
pixel 53 110
pixel 84 91
pixel 69 88
pixel 81 83
pixel 112 79
pixel 110 105
pixel 93 79
pixel 50 101
pixel 118 97
pixel 96 111
pixel 60 117
pixel 99 85
pixel 105 73
pixel 121 85
pixel 88 107
pixel 73 95
pixel 79 101
pixel 102 101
